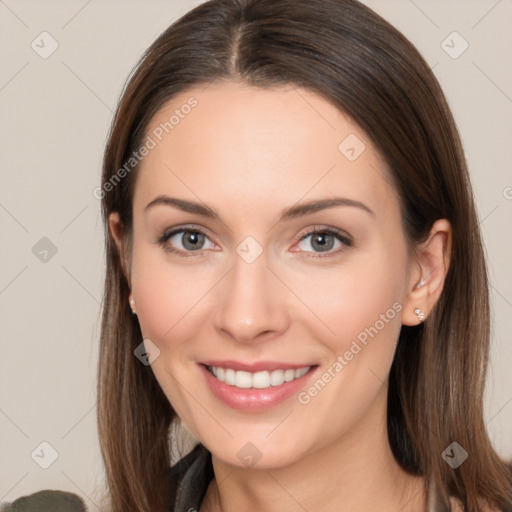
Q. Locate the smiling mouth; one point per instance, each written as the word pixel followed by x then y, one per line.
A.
pixel 257 380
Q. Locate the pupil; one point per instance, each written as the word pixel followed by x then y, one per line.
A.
pixel 322 244
pixel 192 240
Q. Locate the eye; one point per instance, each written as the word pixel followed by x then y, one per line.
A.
pixel 185 240
pixel 324 240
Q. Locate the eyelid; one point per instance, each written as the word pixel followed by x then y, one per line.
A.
pixel 167 233
pixel 324 229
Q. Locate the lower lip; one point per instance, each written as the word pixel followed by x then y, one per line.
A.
pixel 252 399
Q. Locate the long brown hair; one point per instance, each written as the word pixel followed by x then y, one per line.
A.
pixel 346 53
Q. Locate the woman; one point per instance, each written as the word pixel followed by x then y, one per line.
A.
pixel 294 272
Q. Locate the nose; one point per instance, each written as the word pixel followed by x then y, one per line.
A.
pixel 251 303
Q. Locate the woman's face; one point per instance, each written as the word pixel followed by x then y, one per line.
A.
pixel 257 291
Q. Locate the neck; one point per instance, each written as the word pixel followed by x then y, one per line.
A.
pixel 357 472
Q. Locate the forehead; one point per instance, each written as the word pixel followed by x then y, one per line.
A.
pixel 228 143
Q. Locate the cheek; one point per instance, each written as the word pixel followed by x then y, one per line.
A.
pixel 170 301
pixel 360 309
pixel 358 300
pixel 167 296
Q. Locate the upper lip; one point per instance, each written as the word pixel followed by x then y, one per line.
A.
pixel 258 366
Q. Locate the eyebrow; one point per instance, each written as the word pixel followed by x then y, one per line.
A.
pixel 288 213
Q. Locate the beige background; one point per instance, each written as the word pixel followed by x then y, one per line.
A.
pixel 55 114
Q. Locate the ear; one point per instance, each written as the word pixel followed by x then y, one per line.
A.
pixel 118 235
pixel 427 277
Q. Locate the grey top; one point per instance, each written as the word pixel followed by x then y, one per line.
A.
pixel 194 472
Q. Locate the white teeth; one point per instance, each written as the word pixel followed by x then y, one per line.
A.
pixel 300 372
pixel 243 379
pixel 289 375
pixel 277 378
pixel 259 380
pixel 229 376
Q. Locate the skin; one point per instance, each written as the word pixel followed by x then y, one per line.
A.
pixel 248 154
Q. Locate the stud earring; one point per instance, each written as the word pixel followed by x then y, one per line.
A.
pixel 132 304
pixel 419 314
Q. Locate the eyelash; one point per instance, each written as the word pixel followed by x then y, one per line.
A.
pixel 162 240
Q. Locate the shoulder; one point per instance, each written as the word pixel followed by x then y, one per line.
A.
pixel 45 501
